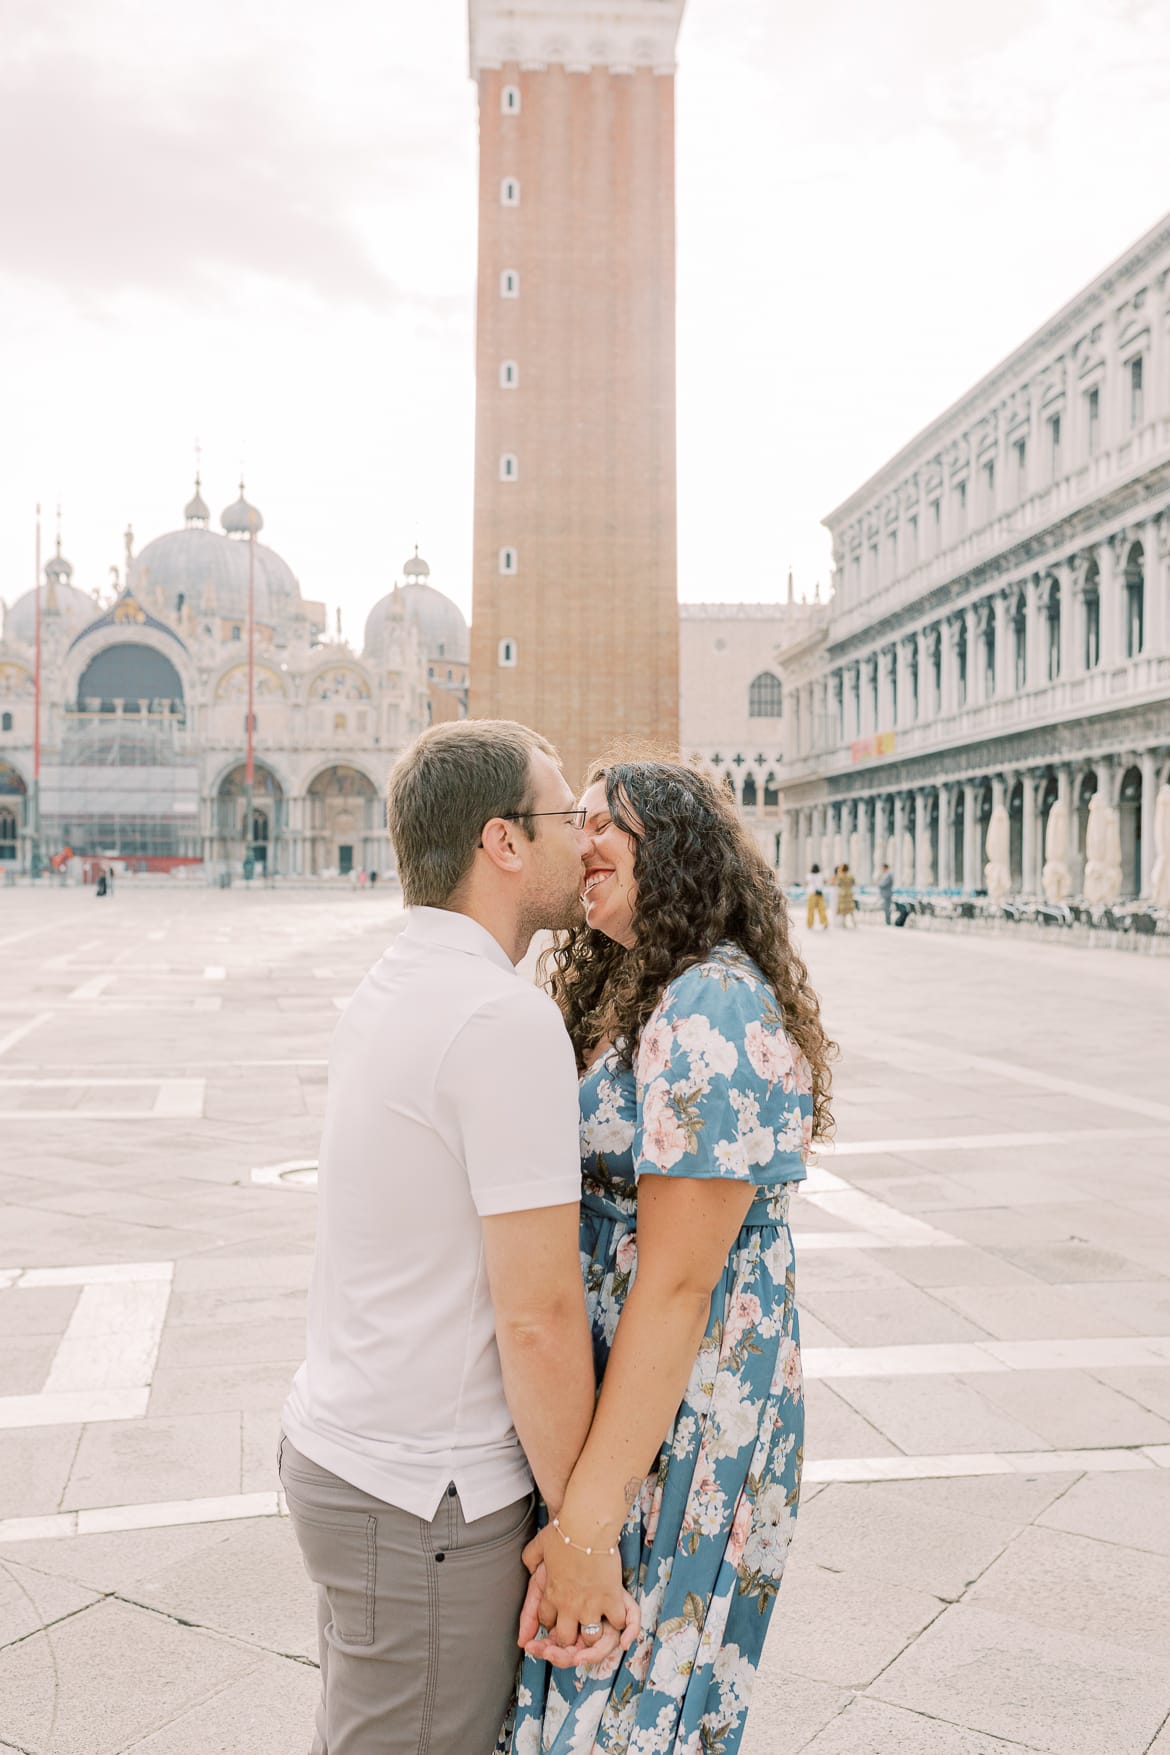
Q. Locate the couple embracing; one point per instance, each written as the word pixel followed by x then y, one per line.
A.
pixel 543 1457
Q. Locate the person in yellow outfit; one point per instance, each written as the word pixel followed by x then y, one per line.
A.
pixel 815 886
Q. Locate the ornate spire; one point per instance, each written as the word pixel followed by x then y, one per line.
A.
pixel 791 586
pixel 241 519
pixel 196 512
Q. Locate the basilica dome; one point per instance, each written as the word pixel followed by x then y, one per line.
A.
pixel 442 626
pixel 200 569
pixel 76 609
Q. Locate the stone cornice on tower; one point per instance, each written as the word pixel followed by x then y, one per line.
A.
pixel 575 34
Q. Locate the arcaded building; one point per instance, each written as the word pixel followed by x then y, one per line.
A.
pixel 144 709
pixel 999 636
pixel 574 612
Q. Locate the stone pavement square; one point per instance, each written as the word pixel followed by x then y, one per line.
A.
pixel 983 1269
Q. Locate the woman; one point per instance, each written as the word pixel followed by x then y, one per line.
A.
pixel 814 884
pixel 705 1079
pixel 846 906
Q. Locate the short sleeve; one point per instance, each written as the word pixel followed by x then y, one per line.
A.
pixel 507 1093
pixel 721 1091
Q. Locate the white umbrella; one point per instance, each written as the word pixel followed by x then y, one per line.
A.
pixel 1160 876
pixel 997 873
pixel 1102 852
pixel 1055 877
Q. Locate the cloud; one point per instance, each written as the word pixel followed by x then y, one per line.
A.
pixel 179 184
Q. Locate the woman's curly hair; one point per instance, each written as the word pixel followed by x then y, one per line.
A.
pixel 700 880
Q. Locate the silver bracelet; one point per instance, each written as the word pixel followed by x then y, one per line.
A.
pixel 569 1543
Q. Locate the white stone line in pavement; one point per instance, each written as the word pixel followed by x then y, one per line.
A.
pixel 979 1142
pixel 104 1519
pixel 77 1408
pixel 933 1057
pixel 107 1519
pixel 14 938
pixel 867 1215
pixel 176 1100
pixel 95 986
pixel 64 959
pixel 23 1030
pixel 215 972
pixel 105 1359
pixel 1004 1462
pixel 963 1357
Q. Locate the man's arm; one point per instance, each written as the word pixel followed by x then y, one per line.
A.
pixel 534 1272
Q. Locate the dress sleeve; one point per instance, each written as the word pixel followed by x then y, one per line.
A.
pixel 720 1089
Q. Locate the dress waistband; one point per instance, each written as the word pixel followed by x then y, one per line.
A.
pixel 770 1206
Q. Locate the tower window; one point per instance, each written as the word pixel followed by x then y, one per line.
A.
pixel 510 192
pixel 765 697
pixel 510 100
pixel 508 561
pixel 509 375
pixel 509 466
pixel 1093 420
pixel 509 284
pixel 507 654
pixel 235 633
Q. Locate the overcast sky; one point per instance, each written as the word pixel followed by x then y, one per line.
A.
pixel 255 226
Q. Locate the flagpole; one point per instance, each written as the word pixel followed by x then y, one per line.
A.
pixel 250 770
pixel 35 857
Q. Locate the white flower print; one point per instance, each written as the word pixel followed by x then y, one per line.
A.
pixel 674 1660
pixel 709 1051
pixel 772 1527
pixel 777 1258
pixel 771 1056
pixel 654 1049
pixel 556 1711
pixel 664 1139
pixel 788 1375
pixel 684 1436
pixel 744 1313
pixel 733 1416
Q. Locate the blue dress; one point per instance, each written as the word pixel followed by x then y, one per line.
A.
pixel 717 1090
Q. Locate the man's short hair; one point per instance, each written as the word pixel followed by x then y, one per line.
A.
pixel 444 788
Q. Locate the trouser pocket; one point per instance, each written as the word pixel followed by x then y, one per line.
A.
pixel 340 1551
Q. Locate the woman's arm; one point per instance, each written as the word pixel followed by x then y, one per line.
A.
pixel 686 1229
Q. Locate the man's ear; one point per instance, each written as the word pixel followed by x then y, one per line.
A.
pixel 499 843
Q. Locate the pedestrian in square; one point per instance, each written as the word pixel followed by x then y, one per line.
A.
pixel 886 891
pixel 846 907
pixel 815 910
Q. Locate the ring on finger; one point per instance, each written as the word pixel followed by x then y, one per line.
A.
pixel 591 1630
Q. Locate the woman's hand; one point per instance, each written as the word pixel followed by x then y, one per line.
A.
pixel 589 1654
pixel 578 1588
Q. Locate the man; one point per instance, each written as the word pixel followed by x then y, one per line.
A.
pixel 886 891
pixel 815 909
pixel 447 1336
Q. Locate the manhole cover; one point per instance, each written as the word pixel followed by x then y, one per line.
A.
pixel 300 1173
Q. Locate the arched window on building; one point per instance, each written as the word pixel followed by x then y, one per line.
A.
pixel 750 796
pixel 510 100
pixel 765 697
pixel 1020 641
pixel 1135 601
pixel 6 722
pixel 1092 601
pixel 9 830
pixel 507 654
pixel 1053 619
pixel 989 657
pixel 961 663
pixel 771 793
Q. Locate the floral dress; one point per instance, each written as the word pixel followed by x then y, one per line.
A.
pixel 717 1090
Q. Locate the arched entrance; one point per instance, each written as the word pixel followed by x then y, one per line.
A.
pixel 983 809
pixel 1130 810
pixel 958 837
pixel 12 796
pixel 1085 791
pixel 1016 838
pixel 130 678
pixel 268 812
pixel 1048 797
pixel 345 830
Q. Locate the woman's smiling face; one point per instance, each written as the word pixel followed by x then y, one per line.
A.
pixel 609 891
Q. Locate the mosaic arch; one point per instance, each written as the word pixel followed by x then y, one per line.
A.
pixel 268 684
pixel 341 682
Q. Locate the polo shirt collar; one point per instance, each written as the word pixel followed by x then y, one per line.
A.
pixel 452 931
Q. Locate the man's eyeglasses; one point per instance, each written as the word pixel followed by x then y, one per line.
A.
pixel 572 815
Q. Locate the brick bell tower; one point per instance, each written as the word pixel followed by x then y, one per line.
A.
pixel 575 599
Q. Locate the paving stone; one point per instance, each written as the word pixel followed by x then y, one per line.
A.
pixel 1148 1385
pixel 786 1709
pixel 193 1389
pixel 270 1712
pixel 37 1310
pixel 837 1629
pixel 1071 1584
pixel 1004 1676
pixel 935 1416
pixel 114 1673
pixel 232 1343
pixel 118 1561
pixel 34 1466
pixel 867 1727
pixel 1034 1313
pixel 1071 1410
pixel 259 1441
pixel 1006 1499
pixel 135 1462
pixel 252 1586
pixel 25 1361
pixel 857 1530
pixel 833 1429
pixel 890 1316
pixel 31 1600
pixel 1130 1510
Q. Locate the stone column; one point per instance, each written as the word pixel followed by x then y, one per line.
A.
pixel 1157 566
pixel 886 660
pixel 1072 645
pixel 949 635
pixel 1149 768
pixel 972 834
pixel 1035 636
pixel 923 872
pixel 789 848
pixel 1111 589
pixel 901 876
pixel 1066 791
pixel 946 795
pixel 865 826
pixel 1005 681
pixel 1029 870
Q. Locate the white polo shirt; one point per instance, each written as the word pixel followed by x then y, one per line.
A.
pixel 452 1096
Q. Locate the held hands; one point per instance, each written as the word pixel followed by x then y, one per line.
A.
pixel 569 1590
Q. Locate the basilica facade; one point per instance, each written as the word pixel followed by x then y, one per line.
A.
pixel 143 725
pixel 986 703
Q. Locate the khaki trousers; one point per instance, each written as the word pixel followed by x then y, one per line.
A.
pixel 416 1621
